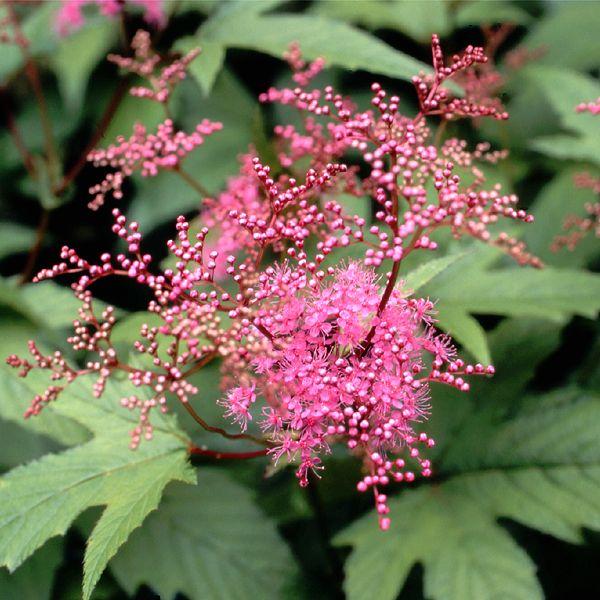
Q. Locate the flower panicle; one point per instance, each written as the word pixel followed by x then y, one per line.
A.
pixel 313 349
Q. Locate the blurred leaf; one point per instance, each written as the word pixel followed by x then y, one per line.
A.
pixel 558 199
pixel 38 29
pixel 78 54
pixel 28 122
pixel 41 499
pixel 46 174
pixel 338 43
pixel 490 12
pixel 19 445
pixel 463 328
pixel 415 19
pixel 205 68
pixel 564 91
pixel 14 238
pixel 569 35
pixel 530 472
pixel 220 546
pixel 33 579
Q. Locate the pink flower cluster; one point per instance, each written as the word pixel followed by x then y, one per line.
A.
pixel 70 16
pixel 144 64
pixel 317 348
pixel 145 153
pixel 148 153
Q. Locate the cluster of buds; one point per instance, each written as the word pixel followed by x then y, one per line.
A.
pixel 144 63
pixel 145 153
pixel 316 348
pixel 148 153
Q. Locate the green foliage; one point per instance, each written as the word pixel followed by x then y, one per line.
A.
pixel 33 579
pixel 568 35
pixel 231 549
pixel 416 19
pixel 491 12
pixel 77 55
pixel 41 499
pixel 555 201
pixel 549 292
pixel 564 90
pixel 337 42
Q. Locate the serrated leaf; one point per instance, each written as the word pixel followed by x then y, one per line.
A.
pixel 338 43
pixel 45 304
pixel 466 556
pixel 33 579
pixel 78 54
pixel 415 19
pixel 531 472
pixel 40 500
pixel 230 549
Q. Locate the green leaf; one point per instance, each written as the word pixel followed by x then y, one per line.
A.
pixel 553 204
pixel 338 43
pixel 205 68
pixel 14 238
pixel 78 54
pixel 40 500
pixel 465 555
pixel 490 12
pixel 568 35
pixel 33 580
pixel 530 471
pixel 220 545
pixel 415 19
pixel 424 273
pixel 549 292
pixel 46 303
pixel 564 90
pixel 464 329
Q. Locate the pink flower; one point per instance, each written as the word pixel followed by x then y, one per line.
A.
pixel 70 16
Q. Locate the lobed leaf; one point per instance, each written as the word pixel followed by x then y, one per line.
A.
pixel 40 500
pixel 219 545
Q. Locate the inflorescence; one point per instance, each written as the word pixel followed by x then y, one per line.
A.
pixel 317 348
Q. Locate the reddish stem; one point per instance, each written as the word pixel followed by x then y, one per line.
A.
pixel 196 451
pixel 105 120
